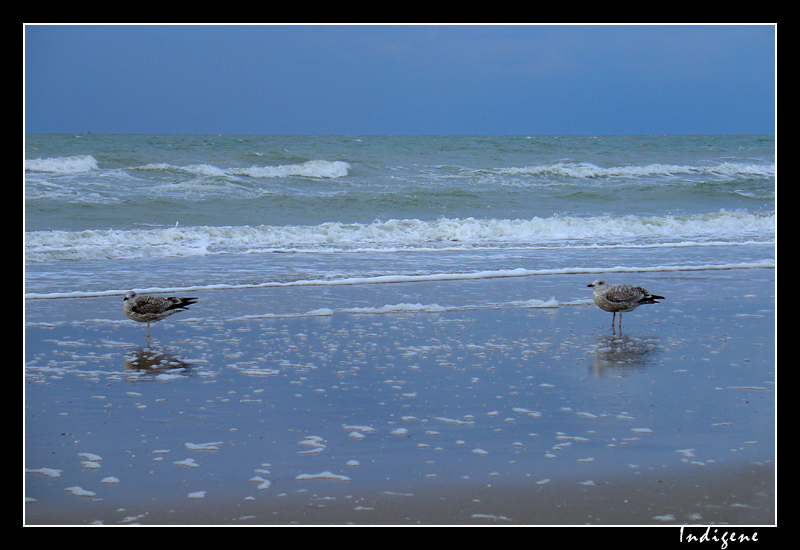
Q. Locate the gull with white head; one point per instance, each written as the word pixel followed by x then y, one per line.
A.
pixel 619 298
pixel 149 309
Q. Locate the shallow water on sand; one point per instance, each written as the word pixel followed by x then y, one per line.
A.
pixel 337 414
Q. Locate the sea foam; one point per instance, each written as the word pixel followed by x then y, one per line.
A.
pixel 62 165
pixel 589 170
pixel 443 276
pixel 395 235
pixel 317 168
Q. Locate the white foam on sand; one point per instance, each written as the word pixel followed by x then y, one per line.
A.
pixel 322 475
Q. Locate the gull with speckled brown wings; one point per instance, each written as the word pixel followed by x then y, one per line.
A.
pixel 149 309
pixel 619 298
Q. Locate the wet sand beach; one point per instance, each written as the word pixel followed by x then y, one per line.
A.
pixel 309 405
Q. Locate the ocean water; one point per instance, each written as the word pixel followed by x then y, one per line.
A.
pixel 385 318
pixel 109 213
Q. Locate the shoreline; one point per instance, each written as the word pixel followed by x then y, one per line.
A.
pixel 504 414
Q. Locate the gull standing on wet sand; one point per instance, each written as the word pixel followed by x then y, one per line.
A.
pixel 619 298
pixel 149 309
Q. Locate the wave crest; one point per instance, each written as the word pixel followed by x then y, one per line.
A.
pixel 588 170
pixel 322 169
pixel 410 234
pixel 62 165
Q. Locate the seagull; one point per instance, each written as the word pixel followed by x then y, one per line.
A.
pixel 619 298
pixel 149 309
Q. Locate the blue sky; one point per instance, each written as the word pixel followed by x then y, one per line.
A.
pixel 421 79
